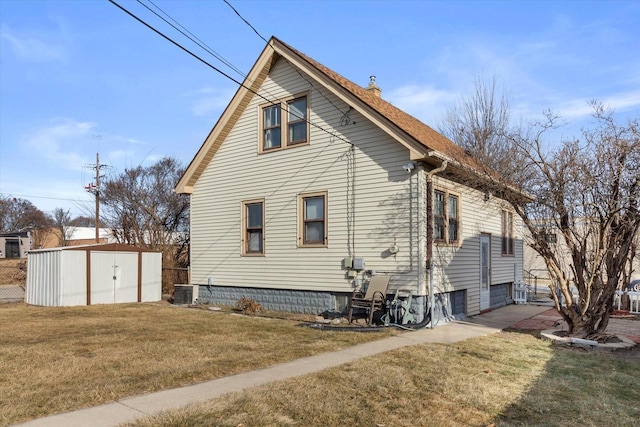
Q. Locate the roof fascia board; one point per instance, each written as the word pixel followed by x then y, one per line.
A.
pixel 227 120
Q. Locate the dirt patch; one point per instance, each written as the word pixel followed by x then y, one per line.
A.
pixel 632 353
pixel 13 272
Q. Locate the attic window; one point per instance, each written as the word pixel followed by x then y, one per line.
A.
pixel 297 132
pixel 285 124
pixel 271 127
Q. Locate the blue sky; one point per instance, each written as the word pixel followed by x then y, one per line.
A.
pixel 77 77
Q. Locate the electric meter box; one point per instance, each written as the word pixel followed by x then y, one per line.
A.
pixel 358 263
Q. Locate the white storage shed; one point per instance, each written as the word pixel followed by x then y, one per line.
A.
pixel 94 274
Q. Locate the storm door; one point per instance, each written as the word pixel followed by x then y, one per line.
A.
pixel 485 272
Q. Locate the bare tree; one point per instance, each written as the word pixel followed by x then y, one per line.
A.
pixel 143 210
pixel 479 123
pixel 584 192
pixel 587 192
pixel 83 221
pixel 62 225
pixel 22 215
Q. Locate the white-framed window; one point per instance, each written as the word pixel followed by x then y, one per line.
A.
pixel 253 227
pixel 312 219
pixel 446 217
pixel 285 124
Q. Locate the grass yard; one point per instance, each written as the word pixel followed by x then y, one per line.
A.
pixel 507 379
pixel 58 359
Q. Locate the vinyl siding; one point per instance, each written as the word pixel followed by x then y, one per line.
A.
pixel 458 267
pixel 389 207
pixel 238 172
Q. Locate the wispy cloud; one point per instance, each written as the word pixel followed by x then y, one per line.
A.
pixel 620 103
pixel 424 102
pixel 32 48
pixel 61 143
pixel 210 101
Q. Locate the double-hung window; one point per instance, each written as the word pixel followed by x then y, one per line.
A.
pixel 507 233
pixel 438 215
pixel 285 124
pixel 452 214
pixel 312 219
pixel 271 130
pixel 297 121
pixel 253 227
pixel 446 217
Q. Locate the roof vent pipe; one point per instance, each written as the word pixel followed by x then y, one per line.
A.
pixel 373 87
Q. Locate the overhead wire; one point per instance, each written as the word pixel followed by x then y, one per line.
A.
pixel 199 42
pixel 295 68
pixel 191 36
pixel 246 22
pixel 213 67
pixel 42 197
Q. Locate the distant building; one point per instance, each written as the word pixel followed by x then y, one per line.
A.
pixel 15 245
pixel 75 236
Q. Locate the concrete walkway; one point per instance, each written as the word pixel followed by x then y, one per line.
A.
pixel 129 409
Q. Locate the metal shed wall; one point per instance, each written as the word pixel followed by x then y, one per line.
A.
pixel 100 274
pixel 151 276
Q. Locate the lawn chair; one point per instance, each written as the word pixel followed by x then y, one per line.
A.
pixel 373 299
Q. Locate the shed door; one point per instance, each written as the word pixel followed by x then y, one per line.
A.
pixel 114 277
pixel 485 272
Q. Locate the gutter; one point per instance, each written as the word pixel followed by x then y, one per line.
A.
pixel 429 264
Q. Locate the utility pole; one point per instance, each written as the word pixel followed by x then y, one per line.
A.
pixel 97 197
pixel 94 188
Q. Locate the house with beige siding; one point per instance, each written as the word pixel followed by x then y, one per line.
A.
pixel 308 184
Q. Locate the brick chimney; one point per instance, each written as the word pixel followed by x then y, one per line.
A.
pixel 373 87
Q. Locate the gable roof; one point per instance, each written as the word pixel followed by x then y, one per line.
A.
pixel 423 142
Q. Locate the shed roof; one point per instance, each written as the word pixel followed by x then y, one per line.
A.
pixel 106 247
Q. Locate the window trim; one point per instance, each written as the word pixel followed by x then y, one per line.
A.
pixel 284 123
pixel 507 225
pixel 302 222
pixel 244 235
pixel 263 128
pixel 446 241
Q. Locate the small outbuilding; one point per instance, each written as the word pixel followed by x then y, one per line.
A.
pixel 15 245
pixel 94 274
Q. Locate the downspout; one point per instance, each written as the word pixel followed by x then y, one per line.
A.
pixel 430 175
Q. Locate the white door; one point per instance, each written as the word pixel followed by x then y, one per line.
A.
pixel 485 272
pixel 114 277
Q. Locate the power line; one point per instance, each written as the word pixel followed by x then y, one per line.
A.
pixel 245 21
pixel 295 68
pixel 44 197
pixel 219 70
pixel 198 41
pixel 191 36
